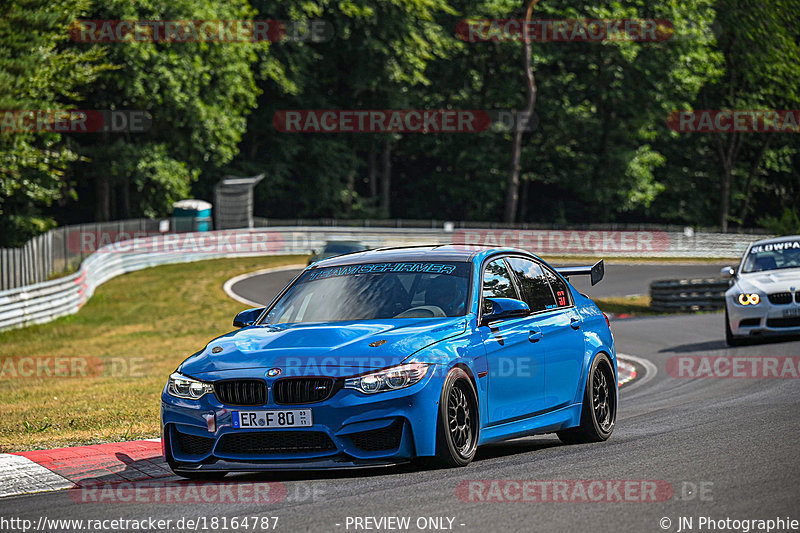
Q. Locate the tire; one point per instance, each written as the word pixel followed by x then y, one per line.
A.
pixel 730 338
pixel 200 476
pixel 458 425
pixel 599 411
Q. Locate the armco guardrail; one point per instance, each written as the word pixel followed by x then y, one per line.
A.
pixel 62 249
pixel 681 295
pixel 617 243
pixel 41 302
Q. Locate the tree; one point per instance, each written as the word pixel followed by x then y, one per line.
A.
pixel 198 95
pixel 761 47
pixel 596 151
pixel 512 186
pixel 377 58
pixel 38 72
pixel 600 150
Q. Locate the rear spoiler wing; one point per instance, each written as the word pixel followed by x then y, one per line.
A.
pixel 596 271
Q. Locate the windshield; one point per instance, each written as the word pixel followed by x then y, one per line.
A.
pixel 773 256
pixel 375 291
pixel 343 248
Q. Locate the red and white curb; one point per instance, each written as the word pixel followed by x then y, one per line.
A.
pixel 626 371
pixel 63 468
pixel 637 380
pixel 141 460
pixel 20 475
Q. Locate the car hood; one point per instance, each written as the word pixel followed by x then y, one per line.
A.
pixel 770 281
pixel 334 349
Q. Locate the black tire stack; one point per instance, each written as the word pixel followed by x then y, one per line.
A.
pixel 688 295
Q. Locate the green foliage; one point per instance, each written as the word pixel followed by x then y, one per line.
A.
pixel 38 71
pixel 601 150
pixel 18 229
pixel 760 46
pixel 155 179
pixel 377 59
pixel 601 110
pixel 787 224
pixel 198 94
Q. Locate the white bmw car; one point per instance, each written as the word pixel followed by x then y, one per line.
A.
pixel 764 298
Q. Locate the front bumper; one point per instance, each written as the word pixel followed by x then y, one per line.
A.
pixel 765 319
pixel 350 429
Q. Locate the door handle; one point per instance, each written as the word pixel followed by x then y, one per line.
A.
pixel 575 323
pixel 535 335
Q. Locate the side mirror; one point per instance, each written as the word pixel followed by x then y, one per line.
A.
pixel 247 318
pixel 503 308
pixel 727 272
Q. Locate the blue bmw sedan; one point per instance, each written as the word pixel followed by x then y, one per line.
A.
pixel 383 356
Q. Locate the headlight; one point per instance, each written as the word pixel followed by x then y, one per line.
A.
pixel 393 378
pixel 748 299
pixel 185 387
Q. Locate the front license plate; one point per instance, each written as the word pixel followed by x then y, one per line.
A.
pixel 295 418
pixel 791 312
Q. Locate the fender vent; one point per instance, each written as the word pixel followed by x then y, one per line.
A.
pixel 387 438
pixel 192 444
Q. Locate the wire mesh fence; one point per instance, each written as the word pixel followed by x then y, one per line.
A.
pixel 61 250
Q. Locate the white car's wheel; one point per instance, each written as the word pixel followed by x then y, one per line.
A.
pixel 730 338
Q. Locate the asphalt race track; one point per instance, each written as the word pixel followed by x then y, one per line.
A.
pixel 626 280
pixel 726 447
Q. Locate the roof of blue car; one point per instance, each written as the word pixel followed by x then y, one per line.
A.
pixel 441 252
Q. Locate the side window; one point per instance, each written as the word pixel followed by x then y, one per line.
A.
pixel 497 281
pixel 535 287
pixel 560 289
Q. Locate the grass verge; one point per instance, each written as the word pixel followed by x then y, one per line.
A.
pixel 98 374
pixel 626 305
